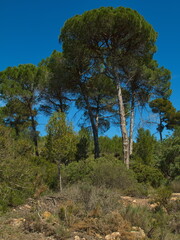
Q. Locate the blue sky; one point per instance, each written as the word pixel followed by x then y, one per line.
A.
pixel 30 30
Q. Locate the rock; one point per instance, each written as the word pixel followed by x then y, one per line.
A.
pixel 138 233
pixel 98 236
pixel 17 221
pixel 25 207
pixel 77 238
pixel 113 236
pixel 46 215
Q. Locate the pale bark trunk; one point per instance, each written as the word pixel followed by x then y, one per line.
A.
pixel 125 138
pixel 131 128
pixel 59 176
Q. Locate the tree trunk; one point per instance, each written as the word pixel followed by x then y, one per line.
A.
pixel 161 127
pixel 125 138
pixel 93 124
pixel 160 133
pixel 95 134
pixel 33 124
pixel 59 176
pixel 131 128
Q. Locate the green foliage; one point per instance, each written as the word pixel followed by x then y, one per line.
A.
pixel 161 196
pixel 155 224
pixel 83 144
pixel 145 146
pixel 20 174
pixel 61 139
pixel 17 180
pixel 24 147
pixel 167 114
pixel 19 91
pixel 106 171
pixel 175 185
pixel 47 172
pixel 97 97
pixel 54 90
pixel 147 174
pixel 6 142
pixel 78 171
pixel 111 48
pixel 169 157
pixel 22 178
pixel 111 146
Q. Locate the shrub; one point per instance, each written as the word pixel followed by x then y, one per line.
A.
pixel 22 178
pixel 175 185
pixel 161 196
pixel 78 171
pixel 106 171
pixel 47 172
pixel 147 174
pixel 17 181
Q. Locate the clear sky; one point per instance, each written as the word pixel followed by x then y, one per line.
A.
pixel 30 30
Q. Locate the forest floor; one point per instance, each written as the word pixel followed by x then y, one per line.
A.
pixel 55 217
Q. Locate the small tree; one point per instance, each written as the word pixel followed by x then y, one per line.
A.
pixel 145 146
pixel 169 156
pixel 167 114
pixel 19 91
pixel 61 141
pixel 83 144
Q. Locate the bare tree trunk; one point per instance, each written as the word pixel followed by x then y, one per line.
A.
pixel 33 124
pixel 131 128
pixel 96 143
pixel 160 134
pixel 59 176
pixel 125 138
pixel 161 127
pixel 93 125
pixel 95 134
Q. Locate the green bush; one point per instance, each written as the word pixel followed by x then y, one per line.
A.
pixel 78 171
pixel 147 174
pixel 17 181
pixel 112 173
pixel 47 172
pixel 161 196
pixel 106 171
pixel 175 185
pixel 21 178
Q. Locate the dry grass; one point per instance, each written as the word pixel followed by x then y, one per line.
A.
pixel 62 216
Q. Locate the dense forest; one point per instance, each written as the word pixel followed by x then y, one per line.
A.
pixel 107 71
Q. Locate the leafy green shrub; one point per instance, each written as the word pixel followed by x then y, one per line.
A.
pixel 175 185
pixel 47 172
pixel 161 196
pixel 111 146
pixel 78 171
pixel 170 157
pixel 17 181
pixel 155 224
pixel 106 171
pixel 22 177
pixel 138 216
pixel 147 174
pixel 111 173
